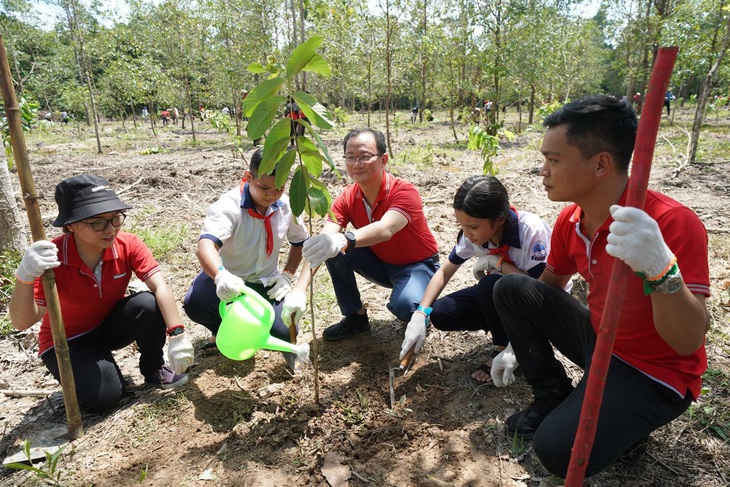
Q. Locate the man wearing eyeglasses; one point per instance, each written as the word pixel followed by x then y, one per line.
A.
pixel 380 232
pixel 93 262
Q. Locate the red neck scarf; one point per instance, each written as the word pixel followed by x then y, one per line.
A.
pixel 503 249
pixel 255 214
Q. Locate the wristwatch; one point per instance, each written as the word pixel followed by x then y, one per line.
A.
pixel 175 330
pixel 351 240
pixel 671 284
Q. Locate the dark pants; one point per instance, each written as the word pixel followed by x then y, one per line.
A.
pixel 201 304
pixel 408 282
pixel 538 316
pixel 471 309
pixel 99 382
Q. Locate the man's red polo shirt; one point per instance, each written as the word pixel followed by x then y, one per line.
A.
pixel 637 342
pixel 413 243
pixel 84 302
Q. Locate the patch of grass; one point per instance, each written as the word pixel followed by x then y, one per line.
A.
pixel 162 241
pixel 712 150
pixel 420 157
pixel 517 446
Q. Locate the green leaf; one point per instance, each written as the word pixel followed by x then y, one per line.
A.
pixel 319 201
pixel 256 68
pixel 262 91
pixel 314 110
pixel 318 65
pixel 283 167
pixel 276 142
pixel 301 56
pixel 298 191
pixel 321 145
pixel 263 115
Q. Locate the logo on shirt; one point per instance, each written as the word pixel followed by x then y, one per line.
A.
pixel 119 276
pixel 539 251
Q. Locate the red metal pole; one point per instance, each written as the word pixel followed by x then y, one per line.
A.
pixel 651 114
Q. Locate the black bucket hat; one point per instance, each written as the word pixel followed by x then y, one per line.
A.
pixel 83 196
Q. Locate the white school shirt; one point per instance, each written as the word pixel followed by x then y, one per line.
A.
pixel 528 237
pixel 242 238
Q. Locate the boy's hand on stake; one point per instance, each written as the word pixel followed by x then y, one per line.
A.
pixel 294 304
pixel 415 334
pixel 40 256
pixel 228 286
pixel 319 248
pixel 281 286
pixel 503 367
pixel 484 265
pixel 636 239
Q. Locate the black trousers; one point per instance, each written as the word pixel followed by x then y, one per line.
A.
pixel 99 382
pixel 471 309
pixel 538 316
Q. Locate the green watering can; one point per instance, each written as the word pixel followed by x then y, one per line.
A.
pixel 246 326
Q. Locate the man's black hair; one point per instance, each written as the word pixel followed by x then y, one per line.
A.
pixel 380 144
pixel 596 124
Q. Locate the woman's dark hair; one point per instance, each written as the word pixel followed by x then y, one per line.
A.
pixel 483 197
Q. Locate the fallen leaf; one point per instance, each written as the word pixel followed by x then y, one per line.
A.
pixel 334 471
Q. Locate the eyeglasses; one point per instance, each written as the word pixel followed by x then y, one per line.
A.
pixel 363 159
pixel 100 225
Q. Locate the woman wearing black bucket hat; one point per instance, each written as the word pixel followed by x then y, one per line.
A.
pixel 94 262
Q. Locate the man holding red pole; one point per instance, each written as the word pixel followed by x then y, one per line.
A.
pixel 659 353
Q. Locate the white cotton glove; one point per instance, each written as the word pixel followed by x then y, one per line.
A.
pixel 228 286
pixel 415 334
pixel 321 247
pixel 281 286
pixel 180 353
pixel 40 256
pixel 503 367
pixel 294 304
pixel 484 265
pixel 636 239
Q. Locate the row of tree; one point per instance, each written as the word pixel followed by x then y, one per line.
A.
pixel 436 53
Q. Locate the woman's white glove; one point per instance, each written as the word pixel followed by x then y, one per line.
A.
pixel 281 286
pixel 40 256
pixel 180 352
pixel 228 286
pixel 503 367
pixel 415 334
pixel 294 304
pixel 321 247
pixel 636 239
pixel 485 264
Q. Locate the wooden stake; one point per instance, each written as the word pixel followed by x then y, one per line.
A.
pixel 48 279
pixel 651 115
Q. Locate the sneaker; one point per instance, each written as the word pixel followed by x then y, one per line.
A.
pixel 525 423
pixel 166 378
pixel 349 325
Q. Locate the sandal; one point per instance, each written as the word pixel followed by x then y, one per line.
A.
pixel 486 368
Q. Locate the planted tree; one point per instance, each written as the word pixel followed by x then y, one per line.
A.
pixel 285 152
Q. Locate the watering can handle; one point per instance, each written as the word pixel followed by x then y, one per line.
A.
pixel 223 306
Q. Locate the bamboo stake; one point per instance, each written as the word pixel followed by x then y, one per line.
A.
pixel 651 115
pixel 48 279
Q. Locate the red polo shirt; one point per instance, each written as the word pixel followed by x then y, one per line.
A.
pixel 413 243
pixel 637 342
pixel 85 302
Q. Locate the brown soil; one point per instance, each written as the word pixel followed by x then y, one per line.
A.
pixel 253 423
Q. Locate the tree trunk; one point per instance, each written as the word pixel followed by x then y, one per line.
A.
pixel 12 230
pixel 705 94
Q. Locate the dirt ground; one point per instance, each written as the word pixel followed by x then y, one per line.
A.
pixel 252 423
